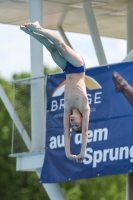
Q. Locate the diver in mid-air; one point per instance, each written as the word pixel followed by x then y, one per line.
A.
pixel 77 110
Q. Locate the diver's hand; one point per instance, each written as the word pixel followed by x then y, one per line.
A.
pixel 79 158
pixel 71 157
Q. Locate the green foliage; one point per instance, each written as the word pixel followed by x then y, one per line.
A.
pixel 14 185
pixel 22 106
pixel 101 188
pixel 51 71
pixel 21 76
pixel 24 185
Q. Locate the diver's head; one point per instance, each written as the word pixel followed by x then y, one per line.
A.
pixel 76 120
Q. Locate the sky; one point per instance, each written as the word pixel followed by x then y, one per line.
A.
pixel 15 50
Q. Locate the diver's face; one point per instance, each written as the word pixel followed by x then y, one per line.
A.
pixel 76 121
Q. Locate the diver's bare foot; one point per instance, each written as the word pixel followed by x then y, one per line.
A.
pixel 119 82
pixel 23 28
pixel 33 26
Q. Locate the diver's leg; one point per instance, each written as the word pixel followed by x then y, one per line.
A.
pixel 58 59
pixel 69 54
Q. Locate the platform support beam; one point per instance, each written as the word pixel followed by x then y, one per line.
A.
pixel 38 126
pixel 53 190
pixel 37 100
pixel 129 56
pixel 94 33
pixel 60 29
pixel 129 177
pixel 129 30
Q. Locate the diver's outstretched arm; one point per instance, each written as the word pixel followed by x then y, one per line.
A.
pixel 85 122
pixel 67 136
pixel 66 133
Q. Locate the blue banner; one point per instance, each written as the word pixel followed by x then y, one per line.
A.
pixel 110 136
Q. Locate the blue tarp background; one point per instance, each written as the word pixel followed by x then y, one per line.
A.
pixel 110 135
